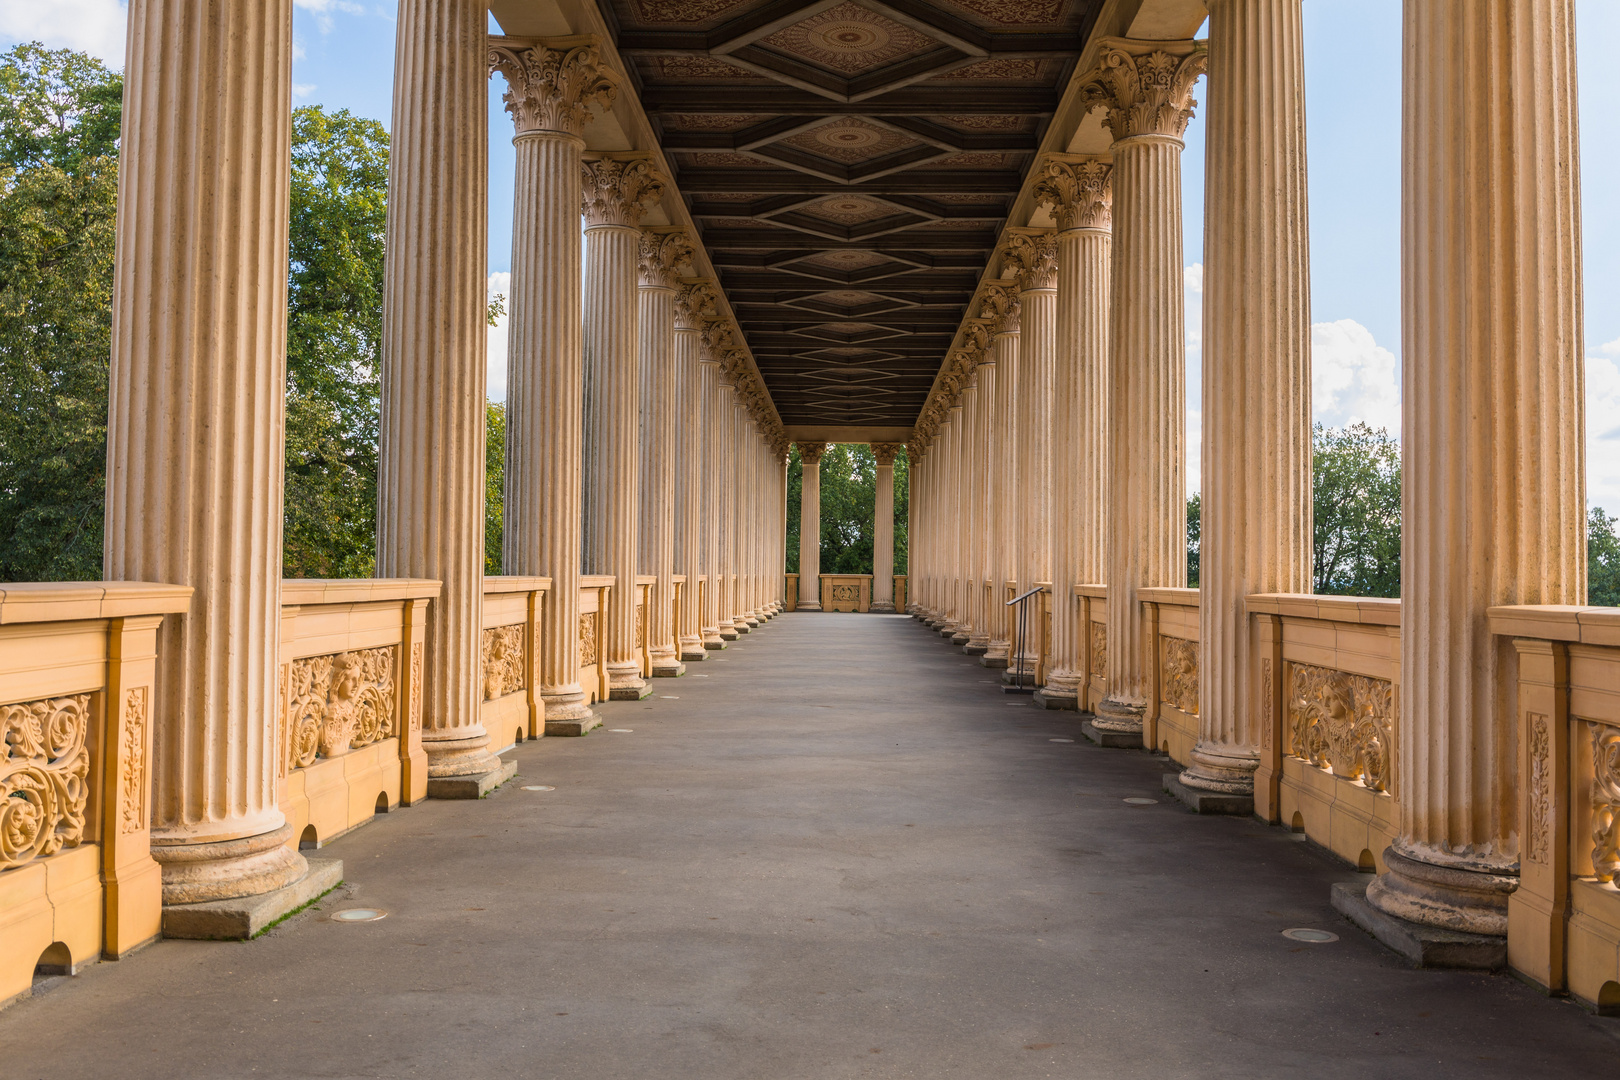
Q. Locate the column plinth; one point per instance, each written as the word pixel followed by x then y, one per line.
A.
pixel 810 526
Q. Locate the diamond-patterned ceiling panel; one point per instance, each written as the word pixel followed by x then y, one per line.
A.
pixel 850 140
pixel 849 39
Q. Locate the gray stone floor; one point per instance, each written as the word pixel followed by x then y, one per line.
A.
pixel 840 852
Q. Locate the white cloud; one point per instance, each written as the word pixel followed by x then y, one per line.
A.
pixel 93 26
pixel 1194 276
pixel 500 282
pixel 323 9
pixel 1603 433
pixel 1195 449
pixel 1193 282
pixel 1353 378
pixel 302 90
pixel 1610 348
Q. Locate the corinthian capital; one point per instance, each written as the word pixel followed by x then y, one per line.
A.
pixel 694 303
pixel 1146 86
pixel 999 308
pixel 1031 255
pixel 616 189
pixel 1078 191
pixel 663 253
pixel 552 82
pixel 714 341
pixel 885 452
pixel 810 452
pixel 976 340
pixel 914 449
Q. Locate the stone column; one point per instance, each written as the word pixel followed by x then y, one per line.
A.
pixel 663 252
pixel 1077 192
pixel 883 529
pixel 551 87
pixel 1001 312
pixel 981 362
pixel 711 342
pixel 1256 529
pixel 616 191
pixel 741 507
pixel 430 482
pixel 726 478
pixel 695 301
pixel 1146 88
pixel 962 501
pixel 810 526
pixel 1031 256
pixel 1492 439
pixel 194 425
pixel 748 518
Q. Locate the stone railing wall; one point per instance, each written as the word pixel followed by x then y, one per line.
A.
pixel 644 587
pixel 512 709
pixel 77 879
pixel 349 709
pixel 1093 621
pixel 846 592
pixel 790 592
pixel 594 590
pixel 1171 720
pixel 1327 671
pixel 1564 918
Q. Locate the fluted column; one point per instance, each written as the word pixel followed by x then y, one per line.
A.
pixel 883 529
pixel 1146 88
pixel 981 478
pixel 194 426
pixel 696 300
pixel 1077 192
pixel 616 190
pixel 664 252
pixel 962 502
pixel 748 517
pixel 1491 424
pixel 551 88
pixel 710 343
pixel 726 478
pixel 810 526
pixel 741 509
pixel 1031 256
pixel 1256 460
pixel 1001 311
pixel 430 483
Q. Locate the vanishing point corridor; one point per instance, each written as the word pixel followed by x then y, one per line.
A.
pixel 854 857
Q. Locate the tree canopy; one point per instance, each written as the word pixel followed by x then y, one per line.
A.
pixel 848 503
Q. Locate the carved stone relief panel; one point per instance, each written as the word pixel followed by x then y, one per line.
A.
pixel 587 638
pixel 339 702
pixel 1181 674
pixel 1099 649
pixel 503 661
pixel 1605 800
pixel 416 686
pixel 1342 723
pixel 132 814
pixel 1539 797
pixel 43 777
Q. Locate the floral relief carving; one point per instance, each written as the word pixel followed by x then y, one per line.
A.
pixel 551 89
pixel 1605 800
pixel 999 308
pixel 43 777
pixel 1078 191
pixel 1145 90
pixel 1181 674
pixel 587 638
pixel 1099 650
pixel 132 815
pixel 416 686
pixel 1342 723
pixel 661 257
pixel 695 302
pixel 1031 257
pixel 641 625
pixel 339 702
pixel 503 655
pixel 618 190
pixel 1268 703
pixel 1539 806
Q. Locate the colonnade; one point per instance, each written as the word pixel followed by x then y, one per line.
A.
pixel 810 455
pixel 1492 424
pixel 639 439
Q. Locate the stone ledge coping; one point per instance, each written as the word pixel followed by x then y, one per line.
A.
pixel 1369 610
pixel 597 581
pixel 511 583
pixel 646 579
pixel 59 601
pixel 304 591
pixel 1557 622
pixel 1096 592
pixel 1160 595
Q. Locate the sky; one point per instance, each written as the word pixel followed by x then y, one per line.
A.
pixel 343 58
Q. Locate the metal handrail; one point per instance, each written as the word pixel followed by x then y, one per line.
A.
pixel 1023 631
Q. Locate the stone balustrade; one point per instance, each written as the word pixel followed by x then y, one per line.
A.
pixel 1170 721
pixel 594 593
pixel 77 879
pixel 512 708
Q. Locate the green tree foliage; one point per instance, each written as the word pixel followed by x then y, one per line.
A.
pixel 1356 500
pixel 1602 559
pixel 848 502
pixel 1195 537
pixel 494 484
pixel 334 342
pixel 59 122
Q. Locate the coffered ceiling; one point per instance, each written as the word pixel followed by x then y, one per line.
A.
pixel 849 164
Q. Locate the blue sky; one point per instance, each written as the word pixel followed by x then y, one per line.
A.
pixel 344 59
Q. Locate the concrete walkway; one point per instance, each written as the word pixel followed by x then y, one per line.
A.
pixel 834 850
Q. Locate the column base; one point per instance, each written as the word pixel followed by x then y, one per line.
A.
pixel 993 660
pixel 727 634
pixel 977 645
pixel 1446 893
pixel 244 917
pixel 572 726
pixel 1111 740
pixel 882 607
pixel 741 626
pixel 1050 697
pixel 714 646
pixel 1121 716
pixel 691 654
pixel 565 703
pixel 753 620
pixel 1200 801
pixel 811 605
pixel 961 637
pixel 475 786
pixel 669 669
pixel 228 869
pixel 1422 946
pixel 630 691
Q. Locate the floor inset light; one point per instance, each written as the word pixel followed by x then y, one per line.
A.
pixel 1060 740
pixel 623 730
pixel 539 787
pixel 1315 937
pixel 359 914
pixel 1139 801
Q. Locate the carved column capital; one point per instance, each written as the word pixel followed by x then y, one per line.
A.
pixel 695 303
pixel 1029 256
pixel 617 189
pixel 663 252
pixel 552 82
pixel 999 308
pixel 810 452
pixel 733 367
pixel 714 340
pixel 1146 86
pixel 914 450
pixel 885 452
pixel 1078 191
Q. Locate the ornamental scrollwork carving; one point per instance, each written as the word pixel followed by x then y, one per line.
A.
pixel 587 639
pixel 618 190
pixel 1030 255
pixel 1077 190
pixel 339 702
pixel 1099 650
pixel 1342 723
pixel 503 656
pixel 810 452
pixel 886 452
pixel 416 686
pixel 551 86
pixel 1146 87
pixel 661 257
pixel 132 812
pixel 43 777
pixel 1180 676
pixel 696 302
pixel 1539 805
pixel 999 308
pixel 1605 800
